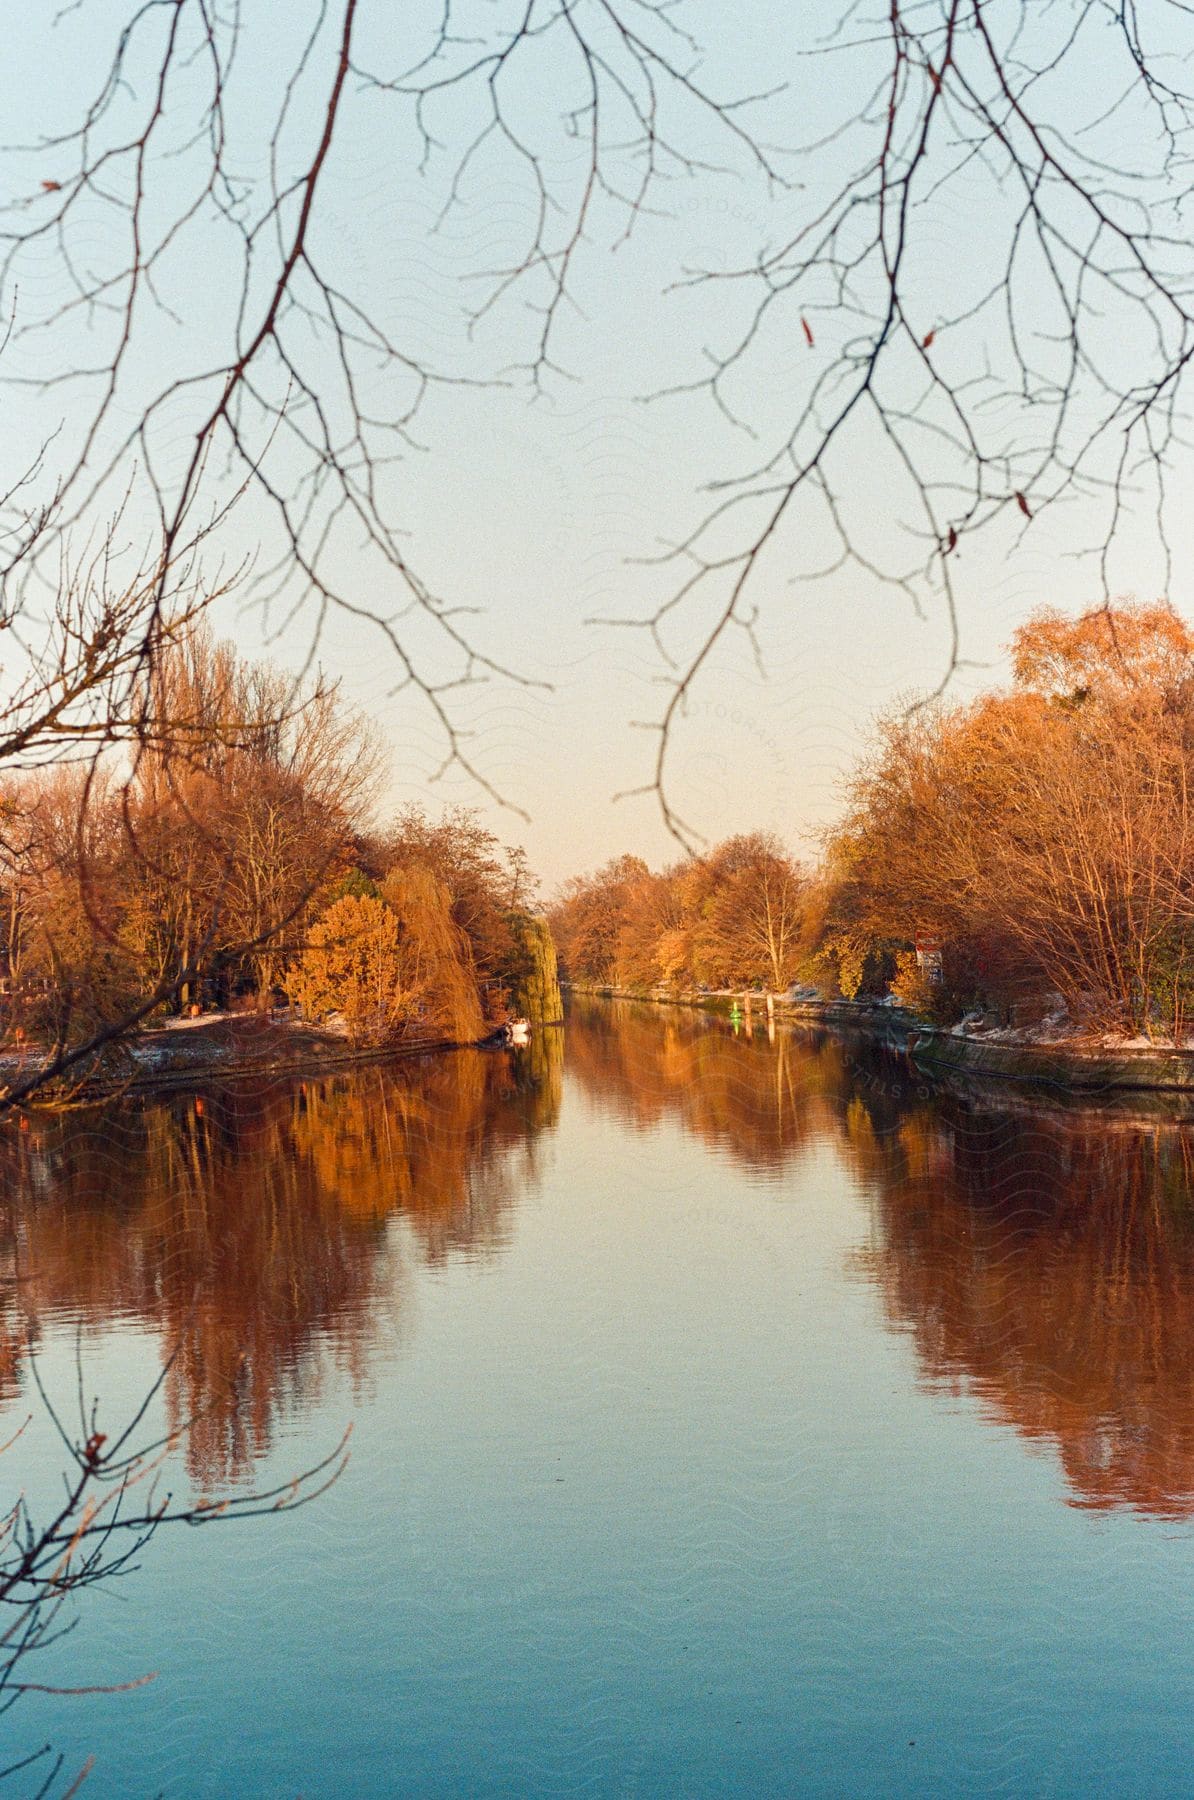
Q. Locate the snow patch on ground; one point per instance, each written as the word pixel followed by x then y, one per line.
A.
pixel 208 1018
pixel 1058 1031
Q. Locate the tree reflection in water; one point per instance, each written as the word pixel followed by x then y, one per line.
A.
pixel 1040 1258
pixel 1047 1264
pixel 759 1101
pixel 252 1224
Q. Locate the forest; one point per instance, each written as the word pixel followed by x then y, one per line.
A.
pixel 239 863
pixel 1039 833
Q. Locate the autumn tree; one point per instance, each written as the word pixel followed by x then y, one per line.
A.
pixel 392 965
pixel 733 917
pixel 589 915
pixel 655 940
pixel 486 879
pixel 69 969
pixel 440 965
pixel 1111 653
pixel 1044 832
pixel 247 809
pixel 353 966
pixel 751 927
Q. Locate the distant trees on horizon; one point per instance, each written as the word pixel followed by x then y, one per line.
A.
pixel 734 917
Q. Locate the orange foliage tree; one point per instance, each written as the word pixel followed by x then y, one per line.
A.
pixel 352 967
pixel 389 969
pixel 733 918
pixel 485 880
pixel 1045 832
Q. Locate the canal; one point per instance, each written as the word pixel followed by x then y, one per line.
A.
pixel 731 1415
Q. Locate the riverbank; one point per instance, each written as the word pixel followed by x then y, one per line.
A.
pixel 231 1046
pixel 1087 1066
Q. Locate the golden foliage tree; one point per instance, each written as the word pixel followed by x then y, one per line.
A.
pixel 354 966
pixel 735 917
pixel 1045 833
pixel 439 967
pixel 391 964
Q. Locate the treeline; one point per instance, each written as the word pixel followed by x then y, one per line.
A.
pixel 236 860
pixel 1040 835
pixel 737 917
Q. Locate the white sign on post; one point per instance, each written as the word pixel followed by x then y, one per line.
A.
pixel 928 955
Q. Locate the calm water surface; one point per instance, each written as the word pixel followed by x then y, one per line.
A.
pixel 730 1417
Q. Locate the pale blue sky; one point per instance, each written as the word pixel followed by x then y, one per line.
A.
pixel 536 513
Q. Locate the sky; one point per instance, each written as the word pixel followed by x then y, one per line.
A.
pixel 540 513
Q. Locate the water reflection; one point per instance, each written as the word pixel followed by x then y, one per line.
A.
pixel 251 1224
pixel 1040 1258
pixel 1048 1264
pixel 759 1102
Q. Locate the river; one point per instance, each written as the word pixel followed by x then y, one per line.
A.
pixel 730 1417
